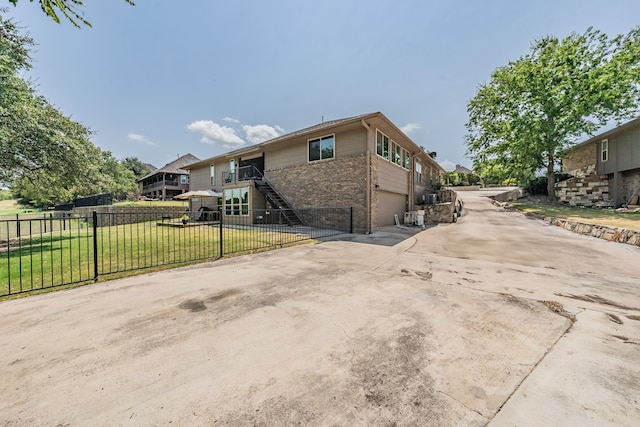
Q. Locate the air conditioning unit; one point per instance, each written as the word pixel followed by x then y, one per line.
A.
pixel 429 199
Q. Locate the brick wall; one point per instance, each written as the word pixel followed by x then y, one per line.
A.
pixel 337 183
pixel 586 188
pixel 630 184
pixel 581 161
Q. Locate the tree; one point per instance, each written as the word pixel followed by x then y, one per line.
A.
pixel 69 8
pixel 537 106
pixel 46 156
pixel 136 166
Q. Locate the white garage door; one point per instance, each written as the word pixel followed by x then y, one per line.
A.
pixel 390 204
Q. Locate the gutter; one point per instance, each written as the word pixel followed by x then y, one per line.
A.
pixel 368 192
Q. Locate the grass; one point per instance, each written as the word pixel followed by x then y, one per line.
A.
pixel 611 218
pixel 66 257
pixel 11 207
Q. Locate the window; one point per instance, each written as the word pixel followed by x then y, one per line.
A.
pixel 418 171
pixel 212 174
pixel 397 154
pixel 604 150
pixel 184 179
pixel 236 201
pixel 382 145
pixel 322 148
pixel 406 159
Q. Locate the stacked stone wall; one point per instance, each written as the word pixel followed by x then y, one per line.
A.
pixel 621 235
pixel 588 190
pixel 119 215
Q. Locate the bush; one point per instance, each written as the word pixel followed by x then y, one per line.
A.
pixel 538 185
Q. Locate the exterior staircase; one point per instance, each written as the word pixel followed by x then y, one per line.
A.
pixel 277 201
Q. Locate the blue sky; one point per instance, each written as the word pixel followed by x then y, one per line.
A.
pixel 165 78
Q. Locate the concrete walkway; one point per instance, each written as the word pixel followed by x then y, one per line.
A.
pixel 450 326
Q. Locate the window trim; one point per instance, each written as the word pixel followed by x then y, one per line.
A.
pixel 320 139
pixel 236 209
pixel 389 142
pixel 604 150
pixel 392 148
pixel 418 171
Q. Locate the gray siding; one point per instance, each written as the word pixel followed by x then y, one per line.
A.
pixel 624 152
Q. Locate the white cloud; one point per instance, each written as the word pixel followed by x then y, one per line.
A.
pixel 260 133
pixel 214 134
pixel 448 165
pixel 279 129
pixel 410 127
pixel 140 138
pixel 230 120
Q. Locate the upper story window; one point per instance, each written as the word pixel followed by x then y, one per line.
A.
pixel 382 145
pixel 397 154
pixel 322 148
pixel 418 171
pixel 406 159
pixel 390 150
pixel 184 179
pixel 212 174
pixel 604 150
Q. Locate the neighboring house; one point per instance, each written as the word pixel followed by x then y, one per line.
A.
pixel 364 162
pixel 605 168
pixel 462 169
pixel 168 181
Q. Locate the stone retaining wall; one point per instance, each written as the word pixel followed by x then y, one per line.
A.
pixel 621 235
pixel 130 214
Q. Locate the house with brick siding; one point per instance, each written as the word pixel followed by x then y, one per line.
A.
pixel 605 168
pixel 364 162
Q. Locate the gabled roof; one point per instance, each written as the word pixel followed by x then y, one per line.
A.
pixel 628 125
pixel 176 167
pixel 320 126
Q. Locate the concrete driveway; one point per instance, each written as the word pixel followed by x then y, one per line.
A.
pixel 460 324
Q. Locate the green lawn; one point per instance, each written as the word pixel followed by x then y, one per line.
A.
pixel 11 207
pixel 65 257
pixel 629 220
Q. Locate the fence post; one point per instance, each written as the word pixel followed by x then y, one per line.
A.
pixel 351 220
pixel 220 216
pixel 95 245
pixel 18 225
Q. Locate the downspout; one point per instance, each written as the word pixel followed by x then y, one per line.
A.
pixel 368 184
pixel 412 182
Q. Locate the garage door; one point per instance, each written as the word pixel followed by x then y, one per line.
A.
pixel 388 205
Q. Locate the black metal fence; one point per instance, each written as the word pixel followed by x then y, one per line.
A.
pixel 58 249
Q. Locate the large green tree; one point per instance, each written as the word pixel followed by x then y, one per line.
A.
pixel 70 9
pixel 534 108
pixel 46 156
pixel 136 166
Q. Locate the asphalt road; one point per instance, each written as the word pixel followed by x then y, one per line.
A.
pixel 459 324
